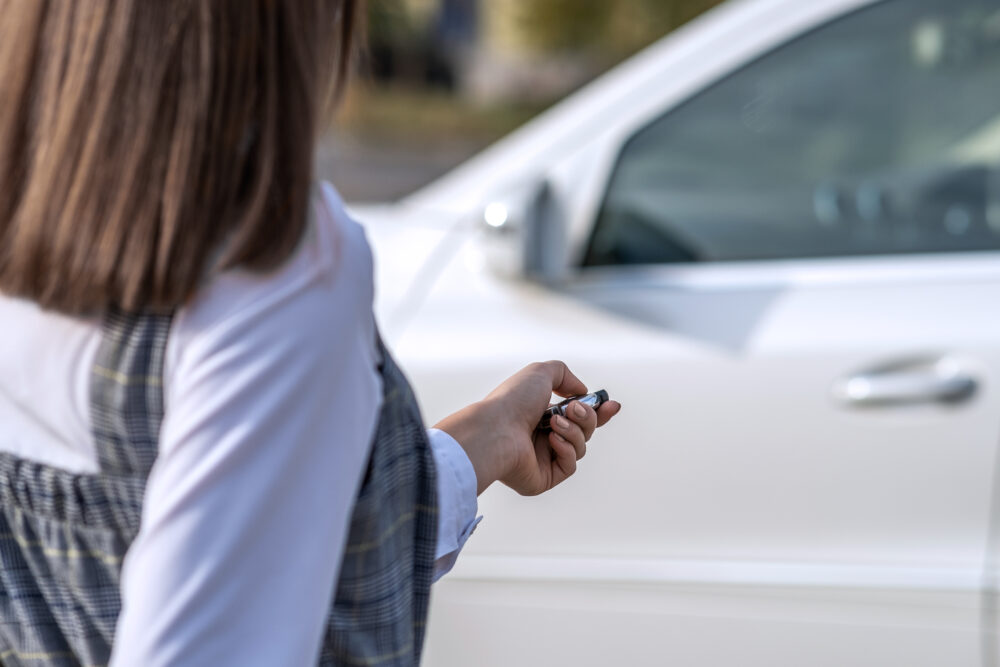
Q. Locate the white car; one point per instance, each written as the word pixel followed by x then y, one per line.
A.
pixel 773 236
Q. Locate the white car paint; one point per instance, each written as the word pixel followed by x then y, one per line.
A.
pixel 736 512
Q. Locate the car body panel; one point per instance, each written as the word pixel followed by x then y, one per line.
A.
pixel 717 505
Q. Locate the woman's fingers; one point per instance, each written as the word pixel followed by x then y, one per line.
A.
pixel 606 411
pixel 572 433
pixel 566 454
pixel 584 416
pixel 580 423
pixel 564 383
pixel 569 435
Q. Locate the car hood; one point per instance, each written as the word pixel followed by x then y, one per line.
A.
pixel 410 245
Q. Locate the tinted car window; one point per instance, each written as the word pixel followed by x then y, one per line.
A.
pixel 878 133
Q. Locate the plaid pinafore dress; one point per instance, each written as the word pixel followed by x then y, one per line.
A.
pixel 63 535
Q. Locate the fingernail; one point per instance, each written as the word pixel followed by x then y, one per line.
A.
pixel 618 408
pixel 560 422
pixel 579 411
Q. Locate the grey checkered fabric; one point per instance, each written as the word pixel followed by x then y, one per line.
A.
pixel 63 536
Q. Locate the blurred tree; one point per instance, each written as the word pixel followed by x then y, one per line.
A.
pixel 401 48
pixel 389 29
pixel 389 21
pixel 608 29
pixel 564 25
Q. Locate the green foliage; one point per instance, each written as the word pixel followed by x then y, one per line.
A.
pixel 608 28
pixel 557 25
pixel 389 22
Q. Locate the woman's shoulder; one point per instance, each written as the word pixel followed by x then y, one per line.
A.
pixel 326 284
pixel 332 262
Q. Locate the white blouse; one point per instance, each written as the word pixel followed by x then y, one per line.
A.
pixel 271 395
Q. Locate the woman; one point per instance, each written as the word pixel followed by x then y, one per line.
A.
pixel 207 457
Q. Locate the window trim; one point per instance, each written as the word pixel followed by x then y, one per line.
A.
pixel 816 272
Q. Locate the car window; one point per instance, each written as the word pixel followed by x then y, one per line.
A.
pixel 878 133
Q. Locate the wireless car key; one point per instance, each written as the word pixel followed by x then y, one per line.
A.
pixel 594 400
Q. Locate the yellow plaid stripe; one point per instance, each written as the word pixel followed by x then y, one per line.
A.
pixel 110 559
pixel 127 380
pixel 52 655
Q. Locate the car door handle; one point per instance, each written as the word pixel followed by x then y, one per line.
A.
pixel 908 384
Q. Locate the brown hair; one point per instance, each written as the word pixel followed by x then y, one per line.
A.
pixel 143 143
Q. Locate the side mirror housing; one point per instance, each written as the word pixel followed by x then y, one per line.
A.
pixel 524 233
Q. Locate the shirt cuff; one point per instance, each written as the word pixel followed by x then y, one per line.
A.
pixel 457 504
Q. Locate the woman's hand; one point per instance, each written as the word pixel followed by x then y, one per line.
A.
pixel 498 433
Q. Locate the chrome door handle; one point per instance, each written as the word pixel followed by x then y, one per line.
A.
pixel 939 382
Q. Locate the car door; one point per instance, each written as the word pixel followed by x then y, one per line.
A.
pixel 789 280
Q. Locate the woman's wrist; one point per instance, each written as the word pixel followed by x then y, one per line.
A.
pixel 478 428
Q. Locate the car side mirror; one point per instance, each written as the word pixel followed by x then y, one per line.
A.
pixel 524 233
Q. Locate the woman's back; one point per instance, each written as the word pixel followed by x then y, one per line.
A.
pixel 227 362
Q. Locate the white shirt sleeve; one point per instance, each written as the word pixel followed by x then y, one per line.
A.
pixel 457 505
pixel 270 410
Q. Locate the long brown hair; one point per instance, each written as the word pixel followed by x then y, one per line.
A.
pixel 143 143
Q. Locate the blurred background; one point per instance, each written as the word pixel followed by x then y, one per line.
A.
pixel 774 236
pixel 442 79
